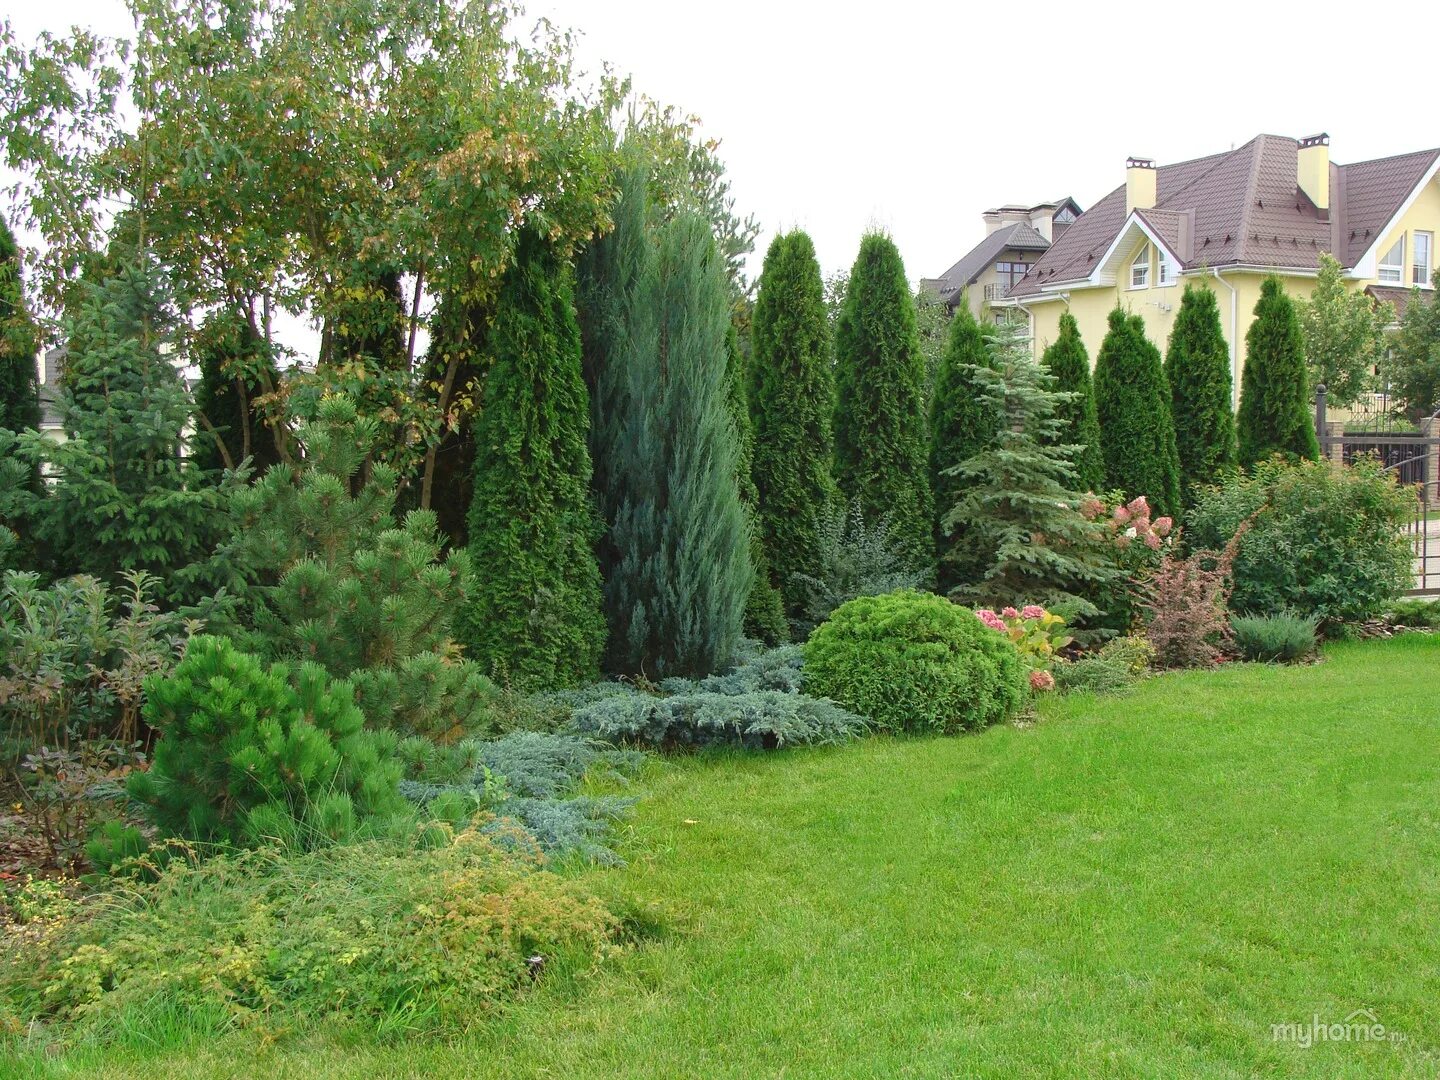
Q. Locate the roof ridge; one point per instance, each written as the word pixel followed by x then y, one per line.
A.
pixel 1251 183
pixel 1220 159
pixel 1390 157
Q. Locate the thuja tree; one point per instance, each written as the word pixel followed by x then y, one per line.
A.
pixel 1132 400
pixel 1197 367
pixel 235 370
pixel 536 618
pixel 124 498
pixel 1019 510
pixel 1275 415
pixel 792 398
pixel 19 403
pixel 962 423
pixel 334 578
pixel 675 598
pixel 880 445
pixel 764 608
pixel 1066 359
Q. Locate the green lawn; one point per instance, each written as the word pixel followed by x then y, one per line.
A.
pixel 1134 886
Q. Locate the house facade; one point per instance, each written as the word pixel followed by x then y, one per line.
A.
pixel 1271 206
pixel 1015 239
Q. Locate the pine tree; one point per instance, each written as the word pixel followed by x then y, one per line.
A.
pixel 1132 401
pixel 536 618
pixel 1018 510
pixel 234 370
pixel 764 609
pixel 792 396
pixel 1197 367
pixel 880 438
pixel 19 401
pixel 1275 416
pixel 962 423
pixel 1067 360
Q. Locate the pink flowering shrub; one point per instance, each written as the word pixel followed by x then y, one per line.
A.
pixel 1037 634
pixel 1134 543
pixel 1040 679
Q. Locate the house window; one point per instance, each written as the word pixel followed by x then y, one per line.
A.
pixel 1392 263
pixel 1140 268
pixel 1008 273
pixel 1424 242
pixel 1164 270
pixel 1064 217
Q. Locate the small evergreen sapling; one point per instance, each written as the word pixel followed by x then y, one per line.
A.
pixel 1197 367
pixel 1067 360
pixel 1019 513
pixel 1275 415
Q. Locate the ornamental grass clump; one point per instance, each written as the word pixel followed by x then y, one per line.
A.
pixel 913 662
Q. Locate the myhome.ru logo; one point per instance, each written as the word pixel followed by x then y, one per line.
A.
pixel 1362 1025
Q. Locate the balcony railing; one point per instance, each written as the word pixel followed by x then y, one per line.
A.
pixel 996 291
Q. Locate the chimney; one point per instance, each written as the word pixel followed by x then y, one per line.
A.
pixel 1312 170
pixel 1139 184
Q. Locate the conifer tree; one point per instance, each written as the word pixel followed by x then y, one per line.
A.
pixel 792 400
pixel 764 609
pixel 536 618
pixel 880 439
pixel 19 401
pixel 1132 400
pixel 234 369
pixel 1275 417
pixel 124 498
pixel 1018 509
pixel 962 423
pixel 1197 367
pixel 675 599
pixel 1067 360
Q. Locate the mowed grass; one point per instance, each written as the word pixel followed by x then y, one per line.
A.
pixel 1136 886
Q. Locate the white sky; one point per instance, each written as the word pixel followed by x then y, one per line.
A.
pixel 917 116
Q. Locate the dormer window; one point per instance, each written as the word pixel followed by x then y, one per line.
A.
pixel 1165 271
pixel 1064 217
pixel 1392 263
pixel 1140 268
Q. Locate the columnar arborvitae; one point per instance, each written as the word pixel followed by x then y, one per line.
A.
pixel 234 368
pixel 1018 510
pixel 19 404
pixel 1132 401
pixel 880 440
pixel 1275 417
pixel 962 423
pixel 764 610
pixel 536 618
pixel 792 399
pixel 1068 361
pixel 675 597
pixel 1197 366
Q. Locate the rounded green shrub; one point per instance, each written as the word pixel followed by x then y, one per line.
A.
pixel 912 661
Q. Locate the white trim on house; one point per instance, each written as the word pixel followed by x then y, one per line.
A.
pixel 1365 265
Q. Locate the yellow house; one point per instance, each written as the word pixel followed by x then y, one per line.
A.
pixel 1268 207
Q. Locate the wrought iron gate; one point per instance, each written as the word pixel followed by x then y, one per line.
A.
pixel 1412 452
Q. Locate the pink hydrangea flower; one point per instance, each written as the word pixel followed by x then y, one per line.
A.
pixel 1122 515
pixel 1152 541
pixel 1032 611
pixel 1122 542
pixel 1010 613
pixel 1091 508
pixel 990 619
pixel 1138 506
pixel 1162 526
pixel 1042 680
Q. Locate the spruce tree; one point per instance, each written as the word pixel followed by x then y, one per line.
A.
pixel 19 400
pixel 1067 360
pixel 234 369
pixel 792 400
pixel 880 439
pixel 962 423
pixel 1275 417
pixel 1197 367
pixel 536 618
pixel 1018 509
pixel 1132 401
pixel 764 609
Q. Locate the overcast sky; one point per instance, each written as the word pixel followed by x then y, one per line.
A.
pixel 916 117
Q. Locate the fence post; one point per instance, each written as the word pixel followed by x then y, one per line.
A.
pixel 1430 428
pixel 1331 435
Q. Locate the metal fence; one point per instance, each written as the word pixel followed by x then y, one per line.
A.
pixel 1408 449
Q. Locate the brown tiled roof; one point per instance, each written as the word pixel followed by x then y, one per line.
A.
pixel 1395 294
pixel 1016 237
pixel 1243 207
